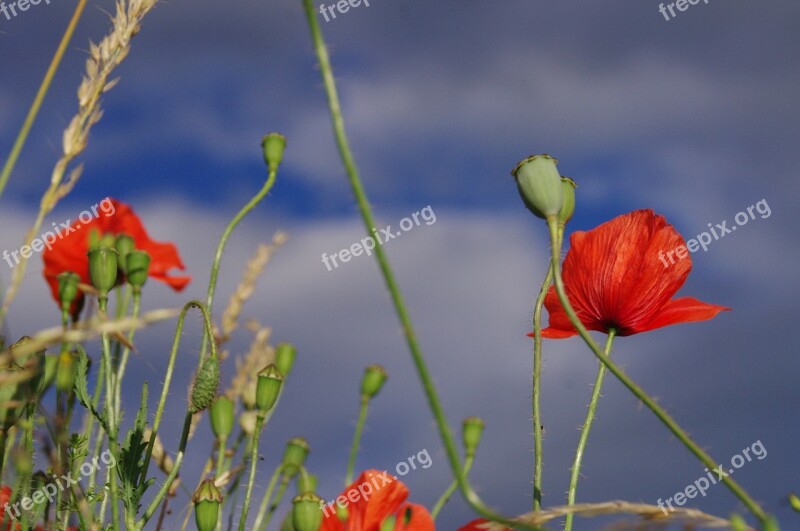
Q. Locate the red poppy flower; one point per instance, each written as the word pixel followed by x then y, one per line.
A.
pixel 476 525
pixel 69 252
pixel 371 499
pixel 616 277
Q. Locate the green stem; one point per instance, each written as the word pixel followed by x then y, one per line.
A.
pixel 111 416
pixel 22 136
pixel 434 403
pixel 123 362
pixel 251 480
pixel 278 497
pixel 537 390
pixel 262 510
pixel 587 426
pixel 168 377
pixel 637 391
pixel 223 240
pixel 451 489
pixel 362 418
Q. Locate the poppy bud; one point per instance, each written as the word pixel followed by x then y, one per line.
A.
pixel 138 267
pixel 205 386
pixel 207 499
pixel 124 244
pixel 374 378
pixel 568 208
pixel 273 145
pixel 103 269
pixel 471 433
pixel 221 414
pixel 268 387
pixel 307 512
pixel 285 353
pixel 294 456
pixel 539 185
pixel 67 288
pixel 307 483
pixel 67 369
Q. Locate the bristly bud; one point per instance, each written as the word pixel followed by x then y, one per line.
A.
pixel 268 388
pixel 374 378
pixel 285 353
pixel 205 386
pixel 124 244
pixel 294 456
pixel 138 267
pixel 307 512
pixel 471 433
pixel 67 288
pixel 207 499
pixel 273 145
pixel 221 414
pixel 103 269
pixel 539 185
pixel 568 208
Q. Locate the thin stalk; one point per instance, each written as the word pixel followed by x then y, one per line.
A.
pixel 537 390
pixel 278 497
pixel 365 210
pixel 110 416
pixel 251 480
pixel 637 391
pixel 587 426
pixel 223 240
pixel 123 361
pixel 262 510
pixel 22 136
pixel 362 418
pixel 451 489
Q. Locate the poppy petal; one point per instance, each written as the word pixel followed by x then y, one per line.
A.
pixel 684 310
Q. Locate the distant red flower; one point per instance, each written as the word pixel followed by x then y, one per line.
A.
pixel 476 525
pixel 70 252
pixel 614 278
pixel 371 499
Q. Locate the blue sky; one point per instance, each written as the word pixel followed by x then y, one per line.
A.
pixel 696 117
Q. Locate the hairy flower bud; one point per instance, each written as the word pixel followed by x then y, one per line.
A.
pixel 205 386
pixel 539 185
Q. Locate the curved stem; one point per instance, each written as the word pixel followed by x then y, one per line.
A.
pixel 168 377
pixel 537 390
pixel 637 391
pixel 451 489
pixel 251 480
pixel 262 510
pixel 278 497
pixel 428 386
pixel 587 426
pixel 223 240
pixel 362 418
pixel 22 136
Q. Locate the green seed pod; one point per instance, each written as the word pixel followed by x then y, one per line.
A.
pixel 138 267
pixel 207 499
pixel 205 386
pixel 103 269
pixel 67 288
pixel 307 512
pixel 569 201
pixel 294 456
pixel 268 388
pixel 285 353
pixel 124 244
pixel 221 414
pixel 471 433
pixel 374 378
pixel 273 145
pixel 539 185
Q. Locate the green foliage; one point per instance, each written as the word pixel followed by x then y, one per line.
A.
pixel 131 467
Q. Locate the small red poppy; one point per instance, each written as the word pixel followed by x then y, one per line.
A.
pixel 69 253
pixel 614 278
pixel 371 499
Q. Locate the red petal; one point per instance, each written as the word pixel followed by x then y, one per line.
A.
pixel 683 310
pixel 413 517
